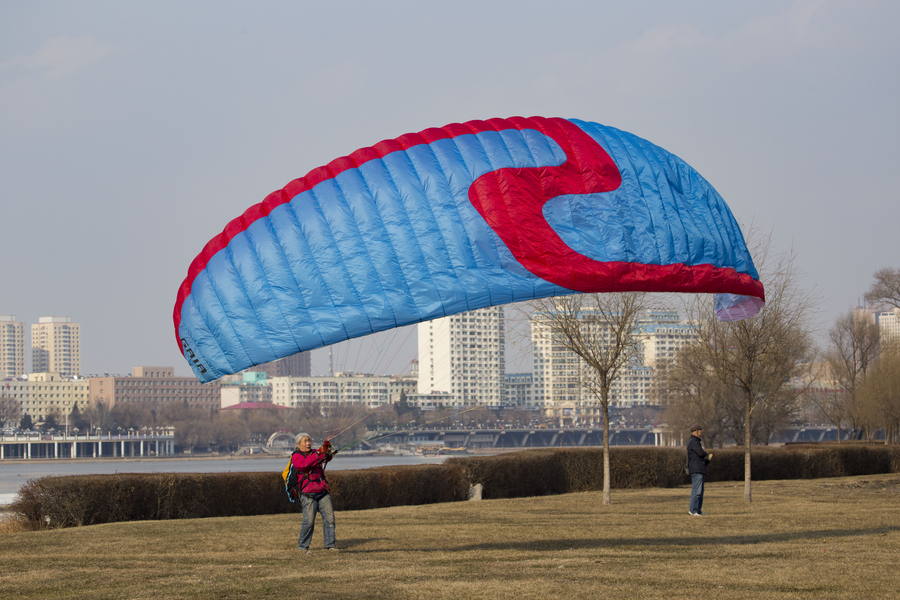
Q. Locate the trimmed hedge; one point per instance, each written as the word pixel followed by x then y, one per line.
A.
pixel 394 486
pixel 68 501
pixel 74 500
pixel 563 471
pixel 805 461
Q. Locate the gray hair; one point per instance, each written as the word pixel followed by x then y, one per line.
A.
pixel 300 437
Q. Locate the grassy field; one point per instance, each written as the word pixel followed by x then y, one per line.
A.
pixel 825 538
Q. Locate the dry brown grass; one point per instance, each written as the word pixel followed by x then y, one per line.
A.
pixel 825 538
pixel 11 522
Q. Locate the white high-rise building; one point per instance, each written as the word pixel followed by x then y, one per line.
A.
pixel 12 347
pixel 520 390
pixel 56 346
pixel 558 373
pixel 463 356
pixel 663 334
pixel 889 324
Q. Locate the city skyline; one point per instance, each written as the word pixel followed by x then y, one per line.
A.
pixel 132 137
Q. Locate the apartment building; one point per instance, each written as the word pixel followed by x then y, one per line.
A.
pixel 154 386
pixel 354 388
pixel 56 346
pixel 463 356
pixel 663 334
pixel 559 374
pixel 18 389
pixel 12 347
pixel 889 324
pixel 520 390
pixel 46 394
pixel 407 384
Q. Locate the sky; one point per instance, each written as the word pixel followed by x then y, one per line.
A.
pixel 132 132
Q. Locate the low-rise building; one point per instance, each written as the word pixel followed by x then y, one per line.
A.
pixel 371 390
pixel 52 394
pixel 153 386
pixel 406 384
pixel 253 387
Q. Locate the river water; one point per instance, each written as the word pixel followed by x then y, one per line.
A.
pixel 14 474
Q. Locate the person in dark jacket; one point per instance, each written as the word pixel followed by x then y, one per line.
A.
pixel 697 459
pixel 314 491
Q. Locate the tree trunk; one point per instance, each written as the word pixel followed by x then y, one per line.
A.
pixel 748 496
pixel 606 495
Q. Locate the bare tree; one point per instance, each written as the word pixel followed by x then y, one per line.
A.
pixel 696 394
pixel 601 329
pixel 10 410
pixel 50 422
pixel 854 347
pixel 193 433
pixel 77 419
pixel 886 289
pixel 229 431
pixel 693 394
pixel 131 415
pixel 100 415
pixel 831 401
pixel 777 412
pixel 759 356
pixel 879 393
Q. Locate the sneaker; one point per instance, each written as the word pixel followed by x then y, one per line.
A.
pixel 333 549
pixel 306 550
pixel 692 513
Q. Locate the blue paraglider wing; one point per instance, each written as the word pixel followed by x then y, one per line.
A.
pixel 453 219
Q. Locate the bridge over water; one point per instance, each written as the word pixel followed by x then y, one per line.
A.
pixel 87 446
pixel 572 437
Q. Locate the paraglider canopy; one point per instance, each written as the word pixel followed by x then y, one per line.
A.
pixel 453 219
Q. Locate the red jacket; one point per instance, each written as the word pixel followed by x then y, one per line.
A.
pixel 311 474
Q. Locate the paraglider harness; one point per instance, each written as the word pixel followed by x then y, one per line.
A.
pixel 295 480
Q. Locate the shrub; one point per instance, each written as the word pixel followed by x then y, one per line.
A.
pixel 562 471
pixel 67 501
pixel 396 486
pixel 70 501
pixel 806 461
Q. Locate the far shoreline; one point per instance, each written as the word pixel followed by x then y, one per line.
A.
pixel 254 456
pixel 127 459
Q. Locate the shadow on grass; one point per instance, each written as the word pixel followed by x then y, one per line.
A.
pixel 555 545
pixel 727 540
pixel 350 543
